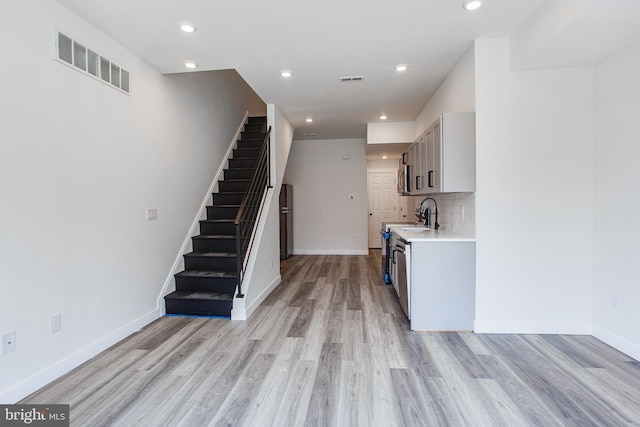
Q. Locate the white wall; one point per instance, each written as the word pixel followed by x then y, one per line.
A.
pixel 456 94
pixel 325 219
pixel 535 197
pixel 391 164
pixel 617 224
pixel 390 132
pixel 80 163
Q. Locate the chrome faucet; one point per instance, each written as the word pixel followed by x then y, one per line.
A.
pixel 426 213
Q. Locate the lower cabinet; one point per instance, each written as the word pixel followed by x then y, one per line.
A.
pixel 442 286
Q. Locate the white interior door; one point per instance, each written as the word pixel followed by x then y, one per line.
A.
pixel 383 202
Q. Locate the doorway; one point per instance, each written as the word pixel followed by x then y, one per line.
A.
pixel 384 201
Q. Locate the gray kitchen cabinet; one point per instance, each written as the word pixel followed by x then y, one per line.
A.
pixel 443 158
pixel 451 154
pixel 442 286
pixel 415 157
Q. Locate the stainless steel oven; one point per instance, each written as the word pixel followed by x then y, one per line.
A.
pixel 401 283
pixel 400 253
pixel 386 254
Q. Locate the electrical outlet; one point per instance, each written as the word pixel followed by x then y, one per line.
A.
pixel 152 214
pixel 56 323
pixel 615 301
pixel 8 343
pixel 271 263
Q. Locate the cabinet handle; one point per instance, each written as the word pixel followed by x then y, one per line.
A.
pixel 430 179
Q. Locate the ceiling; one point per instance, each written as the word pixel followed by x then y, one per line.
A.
pixel 323 40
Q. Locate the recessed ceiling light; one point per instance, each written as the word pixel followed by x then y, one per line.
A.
pixel 401 67
pixel 472 4
pixel 190 64
pixel 285 73
pixel 383 117
pixel 187 27
pixel 384 156
pixel 309 120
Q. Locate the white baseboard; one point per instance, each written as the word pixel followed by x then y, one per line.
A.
pixel 263 295
pixel 622 344
pixel 38 380
pixel 490 327
pixel 331 252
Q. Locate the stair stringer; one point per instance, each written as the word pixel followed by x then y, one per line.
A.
pixel 254 287
pixel 178 264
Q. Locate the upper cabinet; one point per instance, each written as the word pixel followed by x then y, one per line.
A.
pixel 443 158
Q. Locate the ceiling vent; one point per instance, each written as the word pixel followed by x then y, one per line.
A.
pixel 76 55
pixel 310 134
pixel 351 79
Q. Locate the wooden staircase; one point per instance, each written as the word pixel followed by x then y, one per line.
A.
pixel 207 285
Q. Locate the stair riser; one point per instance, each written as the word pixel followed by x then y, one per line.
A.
pixel 214 245
pixel 254 127
pixel 237 174
pixel 219 212
pixel 217 229
pixel 227 198
pixel 206 284
pixel 242 163
pixel 210 263
pixel 199 308
pixel 233 186
pixel 250 143
pixel 246 153
pixel 257 119
pixel 252 135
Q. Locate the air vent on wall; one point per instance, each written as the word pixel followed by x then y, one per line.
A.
pixel 351 79
pixel 85 60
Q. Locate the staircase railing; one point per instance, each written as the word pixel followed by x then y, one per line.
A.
pixel 250 207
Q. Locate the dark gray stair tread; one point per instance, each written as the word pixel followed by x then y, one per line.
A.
pixel 219 220
pixel 198 295
pixel 225 206
pixel 207 274
pixel 215 236
pixel 212 254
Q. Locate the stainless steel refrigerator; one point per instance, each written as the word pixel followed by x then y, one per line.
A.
pixel 286 221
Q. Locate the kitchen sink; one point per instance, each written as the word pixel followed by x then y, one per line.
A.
pixel 416 229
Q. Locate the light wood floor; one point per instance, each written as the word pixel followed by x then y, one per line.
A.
pixel 331 347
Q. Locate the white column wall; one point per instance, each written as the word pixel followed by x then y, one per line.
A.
pixel 535 197
pixel 263 272
pixel 617 223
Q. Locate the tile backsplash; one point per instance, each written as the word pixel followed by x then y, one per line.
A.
pixel 456 211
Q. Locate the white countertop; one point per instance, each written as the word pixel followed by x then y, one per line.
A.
pixel 430 235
